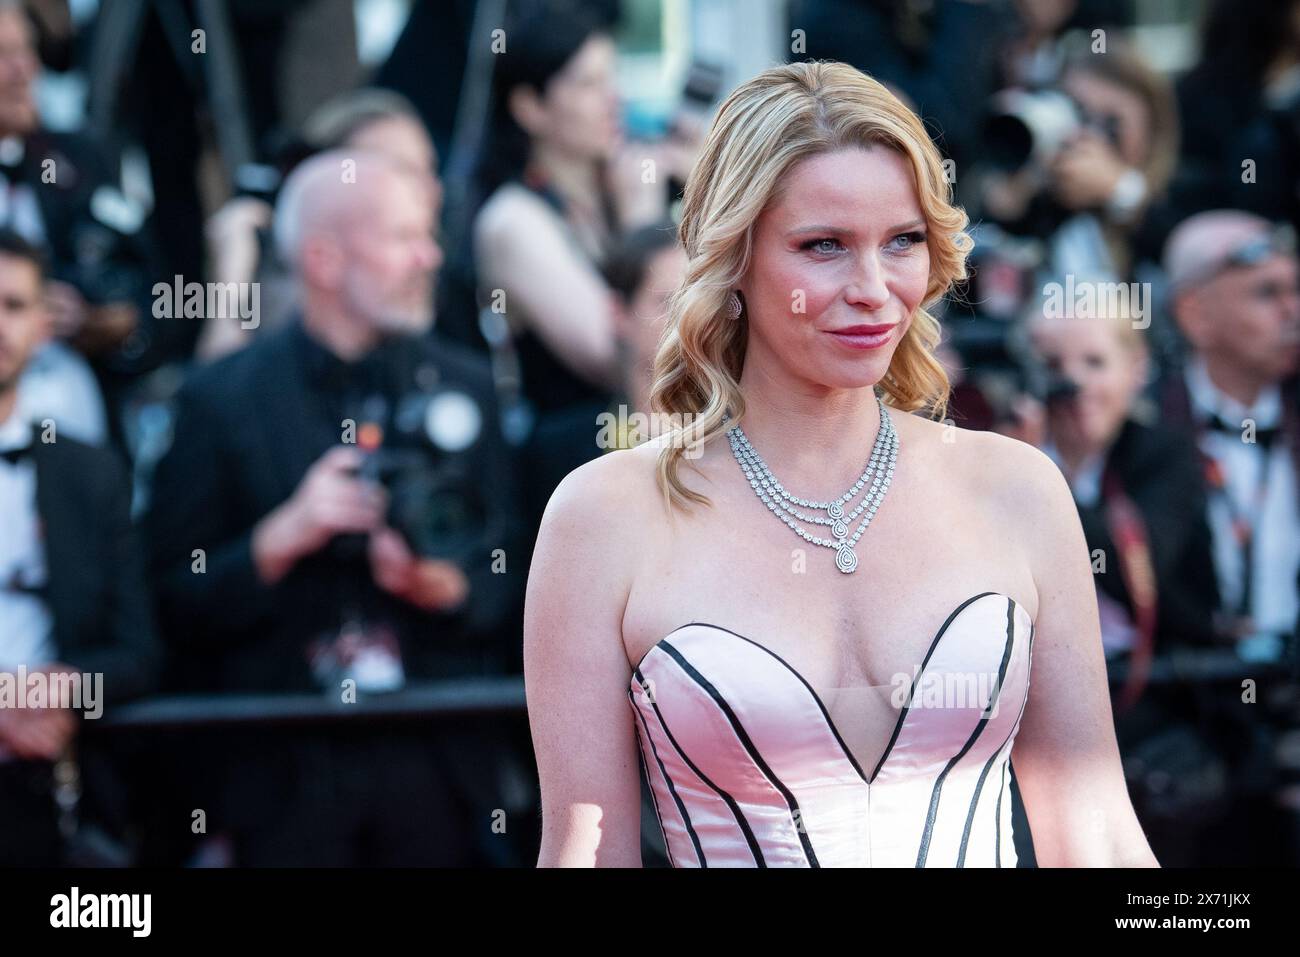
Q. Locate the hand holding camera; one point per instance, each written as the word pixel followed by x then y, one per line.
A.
pixel 329 500
pixel 1086 170
pixel 428 583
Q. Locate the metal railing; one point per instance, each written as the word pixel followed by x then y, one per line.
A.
pixel 504 695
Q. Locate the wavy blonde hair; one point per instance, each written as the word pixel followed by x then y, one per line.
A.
pixel 780 117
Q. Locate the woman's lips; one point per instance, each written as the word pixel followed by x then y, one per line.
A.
pixel 863 340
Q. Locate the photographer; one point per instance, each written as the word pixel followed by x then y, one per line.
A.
pixel 73 593
pixel 58 189
pixel 310 575
pixel 1141 502
pixel 1084 165
pixel 365 118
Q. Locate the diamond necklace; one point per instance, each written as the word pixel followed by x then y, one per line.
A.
pixel 883 456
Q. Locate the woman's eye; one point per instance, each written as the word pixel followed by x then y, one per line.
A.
pixel 912 239
pixel 826 245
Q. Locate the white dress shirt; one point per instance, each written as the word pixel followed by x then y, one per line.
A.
pixel 1085 483
pixel 1276 561
pixel 19 208
pixel 58 385
pixel 26 626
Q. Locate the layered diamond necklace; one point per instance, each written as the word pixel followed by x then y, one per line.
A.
pixel 879 471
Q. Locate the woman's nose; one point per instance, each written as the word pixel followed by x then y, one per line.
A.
pixel 868 287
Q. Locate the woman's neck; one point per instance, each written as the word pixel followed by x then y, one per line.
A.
pixel 575 182
pixel 1073 459
pixel 1234 382
pixel 815 440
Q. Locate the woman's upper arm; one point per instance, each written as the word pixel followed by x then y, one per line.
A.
pixel 521 250
pixel 577 676
pixel 1066 758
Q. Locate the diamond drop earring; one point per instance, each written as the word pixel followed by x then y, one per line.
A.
pixel 733 306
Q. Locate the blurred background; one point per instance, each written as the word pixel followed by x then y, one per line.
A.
pixel 312 654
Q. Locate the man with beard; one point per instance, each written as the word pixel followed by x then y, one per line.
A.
pixel 278 564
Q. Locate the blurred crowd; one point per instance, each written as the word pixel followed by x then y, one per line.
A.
pixel 294 350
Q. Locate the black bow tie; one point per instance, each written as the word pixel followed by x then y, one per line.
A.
pixel 1264 437
pixel 14 456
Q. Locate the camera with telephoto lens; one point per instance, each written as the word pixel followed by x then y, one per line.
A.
pixel 1024 127
pixel 412 448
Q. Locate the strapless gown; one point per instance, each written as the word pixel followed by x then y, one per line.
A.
pixel 748 769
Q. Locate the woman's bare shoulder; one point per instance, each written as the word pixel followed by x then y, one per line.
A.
pixel 509 207
pixel 990 470
pixel 616 489
pixel 1023 476
pixel 993 461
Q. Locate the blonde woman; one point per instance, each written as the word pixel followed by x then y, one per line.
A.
pixel 793 679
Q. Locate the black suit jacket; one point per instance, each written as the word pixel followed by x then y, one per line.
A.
pixel 87 248
pixel 247 429
pixel 1175 404
pixel 1161 472
pixel 97 592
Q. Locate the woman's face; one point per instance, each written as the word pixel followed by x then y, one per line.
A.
pixel 842 244
pixel 1117 106
pixel 1109 376
pixel 578 115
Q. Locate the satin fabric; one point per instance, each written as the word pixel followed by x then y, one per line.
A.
pixel 748 769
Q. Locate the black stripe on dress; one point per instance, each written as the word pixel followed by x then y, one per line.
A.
pixel 748 745
pixel 924 850
pixel 902 715
pixel 727 798
pixel 979 785
pixel 681 809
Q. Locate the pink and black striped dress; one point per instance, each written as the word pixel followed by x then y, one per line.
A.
pixel 747 768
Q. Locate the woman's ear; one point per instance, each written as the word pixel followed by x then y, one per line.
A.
pixel 527 109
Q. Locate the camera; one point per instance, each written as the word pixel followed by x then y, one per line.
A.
pixel 1026 127
pixel 413 448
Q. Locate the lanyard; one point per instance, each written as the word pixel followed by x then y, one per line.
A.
pixel 1243 523
pixel 1128 532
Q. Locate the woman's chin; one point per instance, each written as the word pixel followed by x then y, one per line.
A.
pixel 864 377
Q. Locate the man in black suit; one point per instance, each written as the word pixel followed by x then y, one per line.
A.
pixel 1235 295
pixel 73 596
pixel 282 566
pixel 60 190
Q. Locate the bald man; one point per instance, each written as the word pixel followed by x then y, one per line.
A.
pixel 1235 296
pixel 284 564
pixel 357 231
